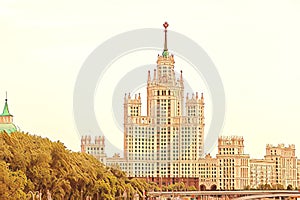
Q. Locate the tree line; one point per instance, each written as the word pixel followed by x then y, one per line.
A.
pixel 30 164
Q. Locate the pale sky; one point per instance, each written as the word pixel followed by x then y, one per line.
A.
pixel 254 45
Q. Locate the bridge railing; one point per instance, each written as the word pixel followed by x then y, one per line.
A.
pixel 240 193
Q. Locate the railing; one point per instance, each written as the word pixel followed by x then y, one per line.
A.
pixel 238 194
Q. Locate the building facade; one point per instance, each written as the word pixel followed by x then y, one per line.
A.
pixel 262 173
pixel 95 148
pixel 166 145
pixel 231 169
pixel 207 172
pixel 285 164
pixel 169 139
pixel 298 173
pixel 233 163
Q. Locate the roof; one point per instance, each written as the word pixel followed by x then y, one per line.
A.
pixel 5 110
pixel 8 128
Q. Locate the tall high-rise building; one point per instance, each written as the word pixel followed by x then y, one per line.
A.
pixel 166 145
pixel 165 141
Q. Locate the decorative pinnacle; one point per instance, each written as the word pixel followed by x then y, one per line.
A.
pixel 149 76
pixel 165 26
pixel 181 78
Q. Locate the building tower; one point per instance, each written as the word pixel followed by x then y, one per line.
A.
pixel 96 148
pixel 233 164
pixel 165 141
pixel 285 164
pixel 6 120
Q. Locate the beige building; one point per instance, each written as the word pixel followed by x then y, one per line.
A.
pixel 262 173
pixel 298 173
pixel 168 141
pixel 166 145
pixel 233 165
pixel 96 148
pixel 117 161
pixel 285 164
pixel 232 169
pixel 207 172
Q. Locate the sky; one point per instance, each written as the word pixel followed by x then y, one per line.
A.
pixel 254 45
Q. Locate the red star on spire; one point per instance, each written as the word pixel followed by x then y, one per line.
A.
pixel 166 25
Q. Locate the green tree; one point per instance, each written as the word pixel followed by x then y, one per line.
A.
pixel 32 163
pixel 12 184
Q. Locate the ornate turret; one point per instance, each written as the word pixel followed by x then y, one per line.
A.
pixel 5 109
pixel 6 119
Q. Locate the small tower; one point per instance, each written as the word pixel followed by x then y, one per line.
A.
pixel 96 148
pixel 132 106
pixel 6 117
pixel 6 120
pixel 234 168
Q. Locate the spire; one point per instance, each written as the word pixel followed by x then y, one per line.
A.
pixel 165 52
pixel 5 109
pixel 165 45
pixel 149 76
pixel 181 78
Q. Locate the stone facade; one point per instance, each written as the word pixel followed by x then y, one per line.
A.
pixel 96 148
pixel 169 140
pixel 207 170
pixel 166 145
pixel 285 164
pixel 233 164
pixel 261 173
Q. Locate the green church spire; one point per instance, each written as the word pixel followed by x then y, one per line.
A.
pixel 6 120
pixel 5 109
